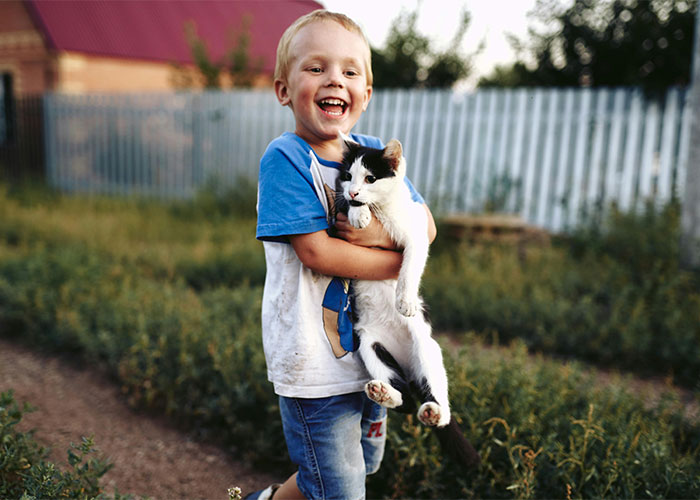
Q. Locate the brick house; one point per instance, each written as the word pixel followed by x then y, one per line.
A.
pixel 110 46
pixel 113 46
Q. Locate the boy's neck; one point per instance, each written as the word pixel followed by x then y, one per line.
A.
pixel 328 150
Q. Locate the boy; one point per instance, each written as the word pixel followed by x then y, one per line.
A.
pixel 334 433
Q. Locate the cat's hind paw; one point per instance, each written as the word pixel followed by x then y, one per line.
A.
pixel 383 394
pixel 408 307
pixel 433 415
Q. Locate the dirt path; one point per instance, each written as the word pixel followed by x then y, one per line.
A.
pixel 150 457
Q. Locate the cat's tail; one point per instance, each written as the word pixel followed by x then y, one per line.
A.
pixel 456 446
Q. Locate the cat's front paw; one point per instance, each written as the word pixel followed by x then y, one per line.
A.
pixel 433 415
pixel 408 306
pixel 359 217
pixel 382 393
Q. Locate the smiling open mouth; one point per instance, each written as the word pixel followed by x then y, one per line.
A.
pixel 333 107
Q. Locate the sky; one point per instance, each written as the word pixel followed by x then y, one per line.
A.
pixel 491 20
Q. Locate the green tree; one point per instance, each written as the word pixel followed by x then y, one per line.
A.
pixel 604 42
pixel 241 67
pixel 209 70
pixel 237 62
pixel 408 60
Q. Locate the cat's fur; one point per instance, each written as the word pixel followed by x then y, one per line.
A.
pixel 395 339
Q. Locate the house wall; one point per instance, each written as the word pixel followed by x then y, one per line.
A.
pixel 22 50
pixel 78 73
pixel 81 73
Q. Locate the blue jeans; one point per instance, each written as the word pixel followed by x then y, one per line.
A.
pixel 336 442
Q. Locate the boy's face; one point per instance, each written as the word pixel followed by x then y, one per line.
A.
pixel 326 86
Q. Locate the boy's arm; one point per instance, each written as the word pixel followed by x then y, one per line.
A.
pixel 335 257
pixel 374 234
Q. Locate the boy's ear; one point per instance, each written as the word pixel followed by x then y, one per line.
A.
pixel 282 92
pixel 367 98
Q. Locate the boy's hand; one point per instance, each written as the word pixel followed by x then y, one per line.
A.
pixel 373 235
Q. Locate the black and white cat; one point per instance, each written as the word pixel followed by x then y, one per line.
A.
pixel 396 345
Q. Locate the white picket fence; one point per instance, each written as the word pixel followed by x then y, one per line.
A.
pixel 548 155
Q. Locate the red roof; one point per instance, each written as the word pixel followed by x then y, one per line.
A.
pixel 154 30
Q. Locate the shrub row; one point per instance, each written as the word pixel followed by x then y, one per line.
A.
pixel 197 356
pixel 544 431
pixel 613 294
pixel 26 472
pixel 193 350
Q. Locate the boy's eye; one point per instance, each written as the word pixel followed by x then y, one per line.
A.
pixel 351 73
pixel 315 70
pixel 370 179
pixel 345 176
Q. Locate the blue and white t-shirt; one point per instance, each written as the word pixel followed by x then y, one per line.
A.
pixel 306 336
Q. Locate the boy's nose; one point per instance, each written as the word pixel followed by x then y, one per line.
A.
pixel 334 79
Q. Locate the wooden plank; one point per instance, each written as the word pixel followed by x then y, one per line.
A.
pixel 669 136
pixel 444 164
pixel 430 170
pixel 506 119
pixel 474 143
pixel 458 168
pixel 542 204
pixel 486 158
pixel 593 184
pixel 516 165
pixel 420 161
pixel 612 166
pixel 580 155
pixel 628 178
pixel 563 162
pixel 683 147
pixel 532 154
pixel 409 133
pixel 650 155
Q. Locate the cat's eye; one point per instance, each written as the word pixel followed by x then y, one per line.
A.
pixel 345 176
pixel 370 179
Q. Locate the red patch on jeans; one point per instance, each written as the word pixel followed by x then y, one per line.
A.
pixel 376 429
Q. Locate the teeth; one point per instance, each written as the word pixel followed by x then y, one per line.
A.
pixel 333 102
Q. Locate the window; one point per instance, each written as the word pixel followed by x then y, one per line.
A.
pixel 7 108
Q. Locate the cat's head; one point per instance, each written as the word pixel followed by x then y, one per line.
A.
pixel 368 175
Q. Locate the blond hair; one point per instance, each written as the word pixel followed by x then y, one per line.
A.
pixel 282 62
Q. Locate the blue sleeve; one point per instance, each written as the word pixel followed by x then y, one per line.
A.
pixel 415 195
pixel 287 201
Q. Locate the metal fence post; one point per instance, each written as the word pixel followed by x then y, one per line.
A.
pixel 690 220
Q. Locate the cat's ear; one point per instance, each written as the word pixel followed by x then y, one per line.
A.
pixel 347 141
pixel 393 153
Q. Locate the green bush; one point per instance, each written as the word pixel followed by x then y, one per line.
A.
pixel 198 357
pixel 614 296
pixel 25 471
pixel 544 431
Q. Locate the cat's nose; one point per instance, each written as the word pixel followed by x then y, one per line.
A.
pixel 353 194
